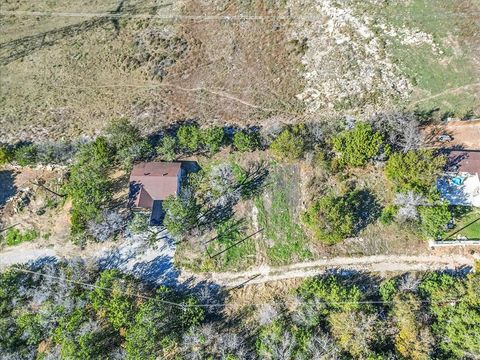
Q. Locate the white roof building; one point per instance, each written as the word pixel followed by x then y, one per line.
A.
pixel 461 183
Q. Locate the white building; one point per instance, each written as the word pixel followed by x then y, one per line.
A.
pixel 461 183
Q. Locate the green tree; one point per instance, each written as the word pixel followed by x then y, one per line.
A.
pixel 434 219
pixel 88 184
pixel 139 223
pixel 354 332
pixel 191 314
pixel 189 137
pixel 181 214
pixel 82 345
pixel 413 338
pixel 121 134
pixel 358 145
pixel 143 338
pixel 245 141
pixel 213 138
pixel 110 299
pixel 158 326
pixel 454 304
pixel 167 148
pixel 336 294
pixel 290 144
pixel 332 218
pixel 141 150
pixel 414 170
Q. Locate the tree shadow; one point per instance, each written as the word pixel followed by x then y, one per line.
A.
pixel 433 134
pixel 222 209
pixel 7 186
pixel 367 209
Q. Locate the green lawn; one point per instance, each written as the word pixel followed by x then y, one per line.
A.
pixel 285 240
pixel 467 225
pixel 234 252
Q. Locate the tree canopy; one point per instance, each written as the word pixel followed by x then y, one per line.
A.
pixel 414 170
pixel 290 144
pixel 357 146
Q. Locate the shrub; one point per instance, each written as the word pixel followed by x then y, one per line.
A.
pixel 434 219
pixel 6 155
pixel 213 138
pixel 55 152
pixel 331 219
pixel 167 148
pixel 25 155
pixel 290 144
pixel 245 141
pixel 14 236
pixel 189 137
pixel 358 145
pixel 414 170
pixel 388 214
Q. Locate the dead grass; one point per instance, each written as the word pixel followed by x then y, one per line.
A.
pixel 149 70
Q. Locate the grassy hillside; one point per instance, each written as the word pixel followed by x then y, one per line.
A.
pixel 66 74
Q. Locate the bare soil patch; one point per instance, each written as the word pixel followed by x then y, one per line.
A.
pixel 35 207
pixel 465 134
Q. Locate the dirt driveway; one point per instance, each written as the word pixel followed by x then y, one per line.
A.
pixel 464 133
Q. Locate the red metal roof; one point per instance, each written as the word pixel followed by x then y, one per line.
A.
pixel 464 161
pixel 153 181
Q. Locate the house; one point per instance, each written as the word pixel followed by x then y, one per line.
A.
pixel 153 182
pixel 460 185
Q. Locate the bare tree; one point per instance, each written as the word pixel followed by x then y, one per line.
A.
pixel 306 312
pixel 322 347
pixel 267 314
pixel 402 129
pixel 222 178
pixel 231 344
pixel 408 203
pixel 112 222
pixel 196 341
pixel 408 282
pixel 278 347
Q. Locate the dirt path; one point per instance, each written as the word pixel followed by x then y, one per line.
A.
pixel 157 264
pixel 447 91
pixel 381 264
pixel 23 254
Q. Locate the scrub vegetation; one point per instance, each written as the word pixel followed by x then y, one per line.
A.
pixel 66 310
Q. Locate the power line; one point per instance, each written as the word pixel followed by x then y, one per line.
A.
pixel 182 305
pixel 111 290
pixel 205 17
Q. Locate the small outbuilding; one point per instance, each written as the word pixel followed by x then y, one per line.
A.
pixel 460 184
pixel 153 182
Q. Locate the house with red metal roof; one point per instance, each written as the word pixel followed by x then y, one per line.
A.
pixel 153 182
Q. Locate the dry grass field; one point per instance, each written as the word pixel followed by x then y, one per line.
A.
pixel 65 73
